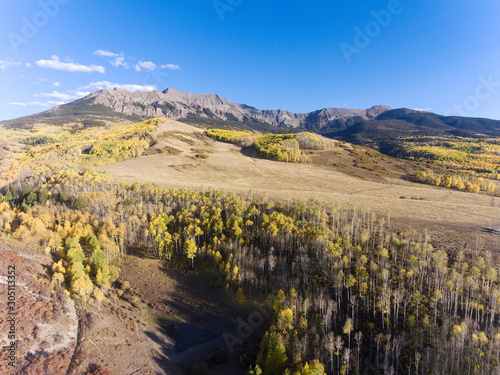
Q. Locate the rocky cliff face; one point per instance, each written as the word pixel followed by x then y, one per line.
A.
pixel 176 105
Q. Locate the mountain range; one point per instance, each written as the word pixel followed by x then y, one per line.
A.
pixel 363 126
pixel 179 105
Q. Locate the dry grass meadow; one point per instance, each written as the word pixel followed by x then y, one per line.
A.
pixel 184 158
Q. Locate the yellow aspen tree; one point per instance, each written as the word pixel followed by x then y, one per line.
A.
pixel 190 249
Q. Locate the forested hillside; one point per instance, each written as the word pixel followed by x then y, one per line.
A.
pixel 347 294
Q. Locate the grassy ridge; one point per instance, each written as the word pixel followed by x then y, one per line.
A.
pixel 49 147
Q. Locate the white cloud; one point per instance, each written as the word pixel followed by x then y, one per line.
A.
pixel 119 61
pixel 56 84
pixel 28 65
pixel 108 86
pixel 57 64
pixel 146 65
pixel 57 98
pixel 40 104
pixel 57 95
pixel 171 67
pixel 100 52
pixel 54 98
pixel 81 94
pixel 8 64
pixel 40 80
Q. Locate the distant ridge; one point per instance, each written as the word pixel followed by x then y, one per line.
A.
pixel 178 105
pixel 385 131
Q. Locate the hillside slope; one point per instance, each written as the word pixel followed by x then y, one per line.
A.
pixel 246 241
pixel 371 127
pixel 230 168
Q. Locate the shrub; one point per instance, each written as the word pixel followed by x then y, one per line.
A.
pixel 199 369
pixel 80 203
pixel 128 202
pixel 218 357
pixel 63 196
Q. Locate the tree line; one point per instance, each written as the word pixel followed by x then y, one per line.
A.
pixel 469 183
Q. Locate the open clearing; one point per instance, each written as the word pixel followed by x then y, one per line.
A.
pixel 134 334
pixel 169 298
pixel 453 218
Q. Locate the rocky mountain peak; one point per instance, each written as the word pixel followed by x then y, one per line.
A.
pixel 177 104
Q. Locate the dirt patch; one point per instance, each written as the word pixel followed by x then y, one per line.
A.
pixel 113 339
pixel 363 163
pixel 46 323
pixel 8 147
pixel 176 303
pixel 135 330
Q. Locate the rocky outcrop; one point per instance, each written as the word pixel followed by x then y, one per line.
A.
pixel 177 104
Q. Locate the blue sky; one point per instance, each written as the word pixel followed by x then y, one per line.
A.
pixel 438 56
